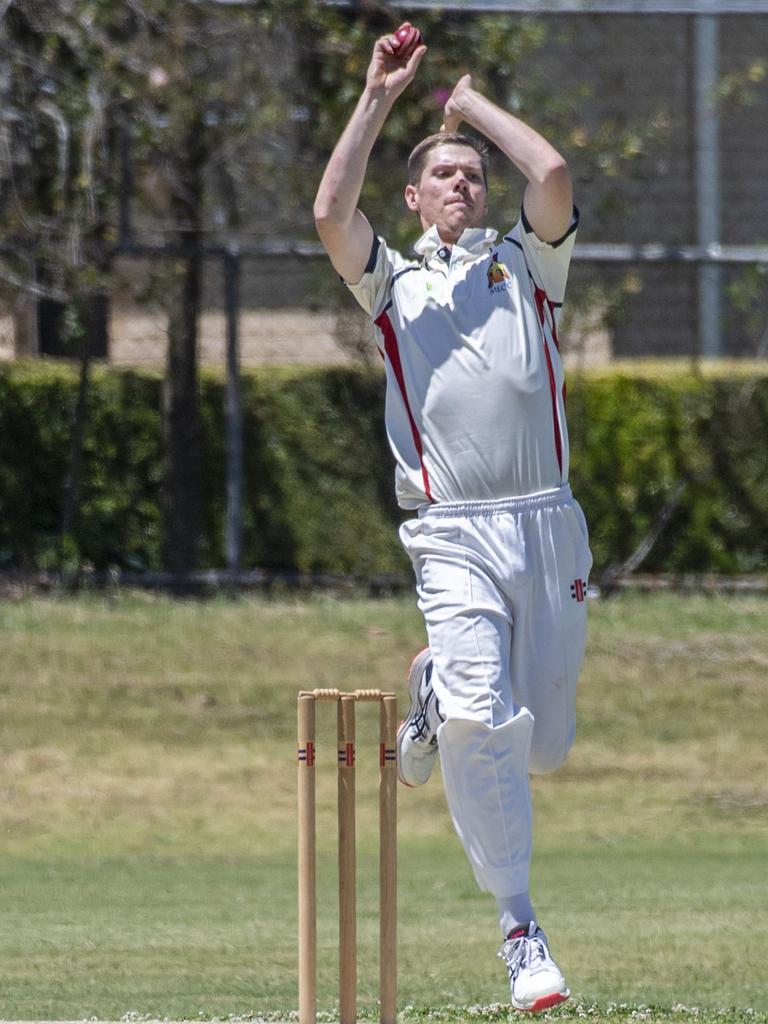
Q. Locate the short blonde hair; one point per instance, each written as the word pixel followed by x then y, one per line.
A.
pixel 418 158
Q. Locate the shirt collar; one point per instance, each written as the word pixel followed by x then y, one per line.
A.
pixel 473 242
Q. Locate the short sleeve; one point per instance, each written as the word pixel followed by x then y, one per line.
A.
pixel 372 290
pixel 548 261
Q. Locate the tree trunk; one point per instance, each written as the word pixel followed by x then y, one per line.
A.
pixel 181 399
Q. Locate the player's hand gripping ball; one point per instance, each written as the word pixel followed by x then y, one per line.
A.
pixel 406 38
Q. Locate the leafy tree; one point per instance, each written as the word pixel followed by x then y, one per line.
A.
pixel 212 89
pixel 60 111
pixel 185 84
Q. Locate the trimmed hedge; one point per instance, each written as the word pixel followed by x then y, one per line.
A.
pixel 319 487
pixel 634 438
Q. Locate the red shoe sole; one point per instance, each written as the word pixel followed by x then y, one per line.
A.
pixel 545 1003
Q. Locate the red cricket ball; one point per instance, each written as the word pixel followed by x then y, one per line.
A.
pixel 407 36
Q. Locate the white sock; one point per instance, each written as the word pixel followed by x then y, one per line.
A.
pixel 514 911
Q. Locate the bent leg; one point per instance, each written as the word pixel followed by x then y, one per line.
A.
pixel 486 786
pixel 485 740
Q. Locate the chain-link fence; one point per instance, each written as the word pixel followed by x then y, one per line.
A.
pixel 673 245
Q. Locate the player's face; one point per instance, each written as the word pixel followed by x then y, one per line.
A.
pixel 451 193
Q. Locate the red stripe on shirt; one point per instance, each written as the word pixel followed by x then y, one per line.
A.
pixel 553 325
pixel 540 297
pixel 393 354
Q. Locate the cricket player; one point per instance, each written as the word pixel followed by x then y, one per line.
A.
pixel 475 415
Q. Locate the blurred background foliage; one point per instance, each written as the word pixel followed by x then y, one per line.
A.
pixel 318 474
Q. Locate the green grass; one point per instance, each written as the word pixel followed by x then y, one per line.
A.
pixel 147 815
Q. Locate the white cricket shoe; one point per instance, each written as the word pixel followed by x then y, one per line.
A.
pixel 417 735
pixel 535 980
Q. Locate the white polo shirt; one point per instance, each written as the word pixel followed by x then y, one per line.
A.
pixel 475 403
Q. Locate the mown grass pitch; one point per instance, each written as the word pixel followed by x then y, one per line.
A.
pixel 147 819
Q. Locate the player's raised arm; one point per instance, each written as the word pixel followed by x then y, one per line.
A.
pixel 343 229
pixel 548 201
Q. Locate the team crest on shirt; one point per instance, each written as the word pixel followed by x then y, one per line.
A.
pixel 499 278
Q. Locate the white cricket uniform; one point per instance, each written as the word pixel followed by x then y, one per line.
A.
pixel 475 415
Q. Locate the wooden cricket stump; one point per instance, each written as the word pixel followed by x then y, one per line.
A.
pixel 345 726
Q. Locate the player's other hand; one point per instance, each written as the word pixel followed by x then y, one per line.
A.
pixel 453 112
pixel 394 65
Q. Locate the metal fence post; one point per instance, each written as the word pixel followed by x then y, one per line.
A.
pixel 707 164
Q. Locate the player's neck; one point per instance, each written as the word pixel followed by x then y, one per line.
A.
pixel 447 237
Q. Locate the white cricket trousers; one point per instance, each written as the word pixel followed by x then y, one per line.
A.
pixel 502 587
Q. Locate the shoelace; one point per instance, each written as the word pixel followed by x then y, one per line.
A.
pixel 526 951
pixel 420 726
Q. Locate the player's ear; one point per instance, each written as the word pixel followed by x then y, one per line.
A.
pixel 412 198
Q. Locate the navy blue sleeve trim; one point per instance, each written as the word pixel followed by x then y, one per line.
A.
pixel 514 241
pixel 529 230
pixel 370 265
